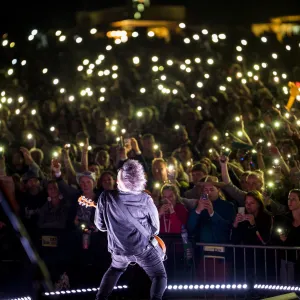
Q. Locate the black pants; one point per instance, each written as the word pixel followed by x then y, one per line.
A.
pixel 149 260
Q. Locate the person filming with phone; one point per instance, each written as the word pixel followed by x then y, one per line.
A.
pixel 213 216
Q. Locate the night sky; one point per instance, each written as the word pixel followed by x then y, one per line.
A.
pixel 57 13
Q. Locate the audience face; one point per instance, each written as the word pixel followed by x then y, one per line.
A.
pixel 253 183
pixel 159 171
pixel 33 186
pixel 95 169
pixel 185 154
pixel 86 185
pixel 169 196
pixel 108 183
pixel 293 202
pixel 52 190
pixel 197 176
pixel 251 205
pixel 18 161
pixel 102 159
pixel 211 191
pixel 148 145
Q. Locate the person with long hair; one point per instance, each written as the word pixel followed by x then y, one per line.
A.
pixel 172 213
pixel 255 225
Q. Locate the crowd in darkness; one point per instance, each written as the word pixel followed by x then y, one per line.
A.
pixel 203 112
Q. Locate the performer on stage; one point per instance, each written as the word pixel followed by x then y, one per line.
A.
pixel 117 213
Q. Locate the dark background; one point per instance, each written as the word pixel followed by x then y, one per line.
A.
pixel 60 13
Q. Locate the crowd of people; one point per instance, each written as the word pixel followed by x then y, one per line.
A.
pixel 204 114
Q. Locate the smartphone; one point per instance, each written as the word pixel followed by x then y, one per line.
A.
pixel 241 210
pixel 121 142
pixel 204 197
pixel 127 141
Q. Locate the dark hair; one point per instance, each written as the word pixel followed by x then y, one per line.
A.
pixel 52 181
pixel 107 173
pixel 295 191
pixel 258 197
pixel 173 188
pixel 200 167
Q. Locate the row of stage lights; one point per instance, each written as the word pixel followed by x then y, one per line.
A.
pixel 179 287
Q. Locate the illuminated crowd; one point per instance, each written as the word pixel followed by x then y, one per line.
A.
pixel 203 112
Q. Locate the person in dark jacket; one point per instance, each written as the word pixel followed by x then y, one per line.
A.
pixel 125 242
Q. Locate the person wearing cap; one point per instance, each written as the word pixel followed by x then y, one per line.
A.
pixel 126 242
pixel 212 219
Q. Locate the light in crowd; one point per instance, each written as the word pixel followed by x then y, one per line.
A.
pixel 160 86
pixel 23 62
pixel 71 98
pixel 210 61
pixel 31 37
pixel 108 47
pixel 256 67
pixel 240 133
pixel 58 33
pixel 100 73
pixel 215 38
pixel 139 114
pixel 9 100
pixel 33 112
pixel 206 76
pixel 199 108
pixel 222 36
pixel 113 128
pixel 226 134
pixel 175 92
pixel 229 79
pixel 298 122
pixel 250 74
pixel 199 84
pixel 62 38
pixel 222 88
pixel 52 128
pixel 20 99
pixel 14 61
pixel 274 55
pixel 55 81
pixel 204 31
pixel 169 62
pixel 197 60
pixel 193 96
pixel 123 131
pixel 176 127
pixel 62 90
pixel 244 42
pixel 277 124
pixel 284 76
pixel 114 75
pixel 255 77
pixel 115 68
pixel 18 111
pixel 10 72
pixel 4 43
pixel 45 70
pixel 298 97
pixel 79 68
pixel 263 39
pixel 287 115
pixel 3 93
pixel 187 40
pixel 102 98
pixel 78 40
pixel 270 172
pixel 239 58
pixel 288 47
pixel 102 90
pixel 93 31
pixel 215 138
pixel 155 68
pixel 136 60
pixel 188 61
pixel 114 122
pixel 154 58
pixel 239 75
pixel 156 147
pixel 118 41
pixel 163 77
pixel 161 68
pixel 135 34
pixel 274 73
pixel 29 136
pixel 269 144
pixel 182 67
pixel 239 48
pixel 237 119
pixel 3 99
pixel 151 34
pixel 182 25
pixel 196 37
pixel 85 62
pixel 262 125
pixel 106 72
pixel 264 65
pixel 276 79
pixel 143 90
pixel 157 185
